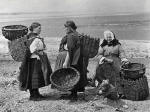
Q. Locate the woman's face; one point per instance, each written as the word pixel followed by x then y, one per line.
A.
pixel 37 30
pixel 109 37
pixel 68 29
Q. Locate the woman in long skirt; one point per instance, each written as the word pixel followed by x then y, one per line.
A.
pixel 110 51
pixel 35 70
pixel 74 57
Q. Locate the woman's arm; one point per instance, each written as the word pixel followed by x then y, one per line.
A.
pixel 36 45
pixel 62 44
pixel 70 44
pixel 100 55
pixel 66 62
pixel 122 54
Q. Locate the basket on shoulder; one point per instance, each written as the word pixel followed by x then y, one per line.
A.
pixel 13 32
pixel 16 34
pixel 90 45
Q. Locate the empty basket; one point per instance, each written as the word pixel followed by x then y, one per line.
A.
pixel 133 70
pixel 13 32
pixel 65 79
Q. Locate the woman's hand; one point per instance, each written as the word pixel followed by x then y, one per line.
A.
pixel 104 59
pixel 108 60
pixel 101 61
pixel 65 65
pixel 125 61
pixel 66 62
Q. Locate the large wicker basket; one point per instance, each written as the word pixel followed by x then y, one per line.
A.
pixel 18 48
pixel 13 32
pixel 90 45
pixel 133 70
pixel 135 89
pixel 65 79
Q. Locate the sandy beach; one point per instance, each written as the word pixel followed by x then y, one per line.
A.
pixel 14 100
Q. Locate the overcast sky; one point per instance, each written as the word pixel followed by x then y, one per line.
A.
pixel 100 6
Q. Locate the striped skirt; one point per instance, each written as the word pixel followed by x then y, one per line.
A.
pixel 60 60
pixel 36 74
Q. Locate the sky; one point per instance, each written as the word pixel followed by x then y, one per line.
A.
pixel 75 6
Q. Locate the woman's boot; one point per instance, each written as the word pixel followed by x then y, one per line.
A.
pixel 33 94
pixel 73 96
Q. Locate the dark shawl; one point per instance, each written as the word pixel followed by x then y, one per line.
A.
pixel 114 42
pixel 74 47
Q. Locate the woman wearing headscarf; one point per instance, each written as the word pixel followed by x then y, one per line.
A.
pixel 112 52
pixel 35 69
pixel 74 57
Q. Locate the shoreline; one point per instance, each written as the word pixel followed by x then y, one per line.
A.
pixel 133 48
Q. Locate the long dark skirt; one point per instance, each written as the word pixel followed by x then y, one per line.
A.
pixel 106 71
pixel 36 75
pixel 80 86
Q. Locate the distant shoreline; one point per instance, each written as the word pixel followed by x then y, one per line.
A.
pixel 133 48
pixel 126 27
pixel 46 15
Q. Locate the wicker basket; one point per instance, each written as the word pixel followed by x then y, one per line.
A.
pixel 133 70
pixel 90 45
pixel 18 48
pixel 65 79
pixel 13 32
pixel 136 89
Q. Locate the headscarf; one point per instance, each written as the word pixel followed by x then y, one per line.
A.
pixel 108 32
pixel 114 41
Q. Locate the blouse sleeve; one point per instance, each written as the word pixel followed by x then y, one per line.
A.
pixel 36 45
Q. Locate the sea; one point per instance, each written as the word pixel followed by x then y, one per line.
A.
pixel 131 27
pixel 125 26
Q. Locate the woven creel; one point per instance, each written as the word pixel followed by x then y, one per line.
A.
pixel 13 32
pixel 18 48
pixel 135 89
pixel 133 70
pixel 65 79
pixel 90 45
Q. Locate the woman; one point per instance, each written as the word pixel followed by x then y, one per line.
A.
pixel 74 57
pixel 35 69
pixel 110 51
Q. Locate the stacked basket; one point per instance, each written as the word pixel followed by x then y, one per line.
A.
pixel 90 45
pixel 17 40
pixel 134 82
